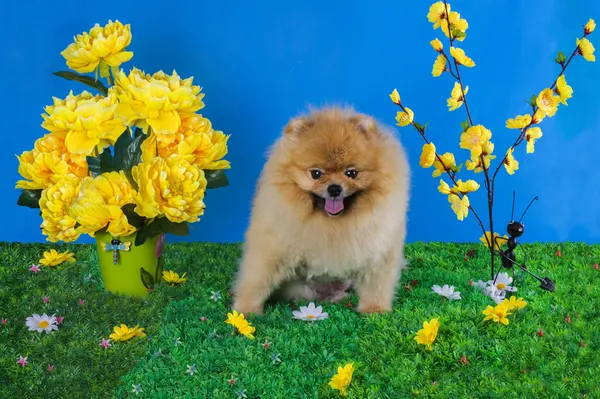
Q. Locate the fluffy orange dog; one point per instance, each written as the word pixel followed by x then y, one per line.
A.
pixel 330 204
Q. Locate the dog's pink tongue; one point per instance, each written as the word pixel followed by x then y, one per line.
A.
pixel 334 206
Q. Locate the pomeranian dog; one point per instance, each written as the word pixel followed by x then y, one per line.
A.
pixel 329 212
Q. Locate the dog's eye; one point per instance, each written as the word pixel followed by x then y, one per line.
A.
pixel 352 173
pixel 316 174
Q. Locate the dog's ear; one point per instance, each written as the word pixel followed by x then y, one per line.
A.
pixel 296 126
pixel 365 124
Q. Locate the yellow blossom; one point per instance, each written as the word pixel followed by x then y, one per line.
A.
pixel 241 324
pixel 395 96
pixel 538 116
pixel 448 162
pixel 171 187
pixel 173 278
pixel 100 202
pixel 444 188
pixel 55 206
pixel 439 66
pixel 427 155
pixel 100 48
pixel 563 90
pixel 460 206
pixel 460 57
pixel 457 97
pixel 342 379
pixel 456 24
pixel 466 187
pixel 533 133
pixel 498 313
pixel 510 163
pixel 497 241
pixel 405 118
pixel 589 27
pixel 548 102
pixel 156 101
pixel 124 333
pixel 428 334
pixel 519 122
pixel 53 258
pixel 437 45
pixel 437 14
pixel 514 304
pixel 475 164
pixel 49 162
pixel 88 121
pixel 195 140
pixel 586 49
pixel 474 138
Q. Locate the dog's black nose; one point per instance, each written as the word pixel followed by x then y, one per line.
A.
pixel 334 190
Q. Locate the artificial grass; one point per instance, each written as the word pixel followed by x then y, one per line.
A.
pixel 187 328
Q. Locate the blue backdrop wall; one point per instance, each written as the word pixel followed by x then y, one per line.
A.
pixel 260 63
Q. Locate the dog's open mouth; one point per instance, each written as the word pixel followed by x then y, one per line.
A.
pixel 333 207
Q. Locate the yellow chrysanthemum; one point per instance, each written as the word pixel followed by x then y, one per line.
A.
pixel 474 138
pixel 342 379
pixel 533 133
pixel 196 141
pixel 444 188
pixel 466 187
pixel 53 258
pixel 100 48
pixel 88 121
pixel 439 66
pixel 497 241
pixel 156 101
pixel 437 45
pixel 173 278
pixel 55 206
pixel 460 206
pixel 475 163
pixel 447 163
pixel 428 334
pixel 241 324
pixel 586 49
pixel 589 27
pixel 100 202
pixel 395 96
pixel 124 333
pixel 48 162
pixel 538 116
pixel 171 187
pixel 405 118
pixel 514 303
pixel 456 24
pixel 460 57
pixel 498 313
pixel 563 90
pixel 519 122
pixel 437 14
pixel 457 97
pixel 427 155
pixel 510 163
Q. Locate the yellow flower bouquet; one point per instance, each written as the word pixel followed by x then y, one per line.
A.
pixel 136 157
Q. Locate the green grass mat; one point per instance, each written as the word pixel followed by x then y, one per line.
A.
pixel 186 330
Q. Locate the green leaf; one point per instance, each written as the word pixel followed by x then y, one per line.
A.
pixel 30 198
pixel 107 162
pixel 178 229
pixel 120 148
pixel 147 278
pixel 419 127
pixel 94 165
pixel 560 58
pixel 465 125
pixel 132 157
pixel 532 100
pixel 458 34
pixel 133 218
pixel 216 178
pixel 86 80
pixel 456 168
pixel 138 132
pixel 150 230
pixel 159 267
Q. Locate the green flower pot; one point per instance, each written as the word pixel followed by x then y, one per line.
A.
pixel 132 269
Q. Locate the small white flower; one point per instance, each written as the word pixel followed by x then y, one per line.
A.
pixel 41 323
pixel 136 388
pixel 310 313
pixel 447 291
pixel 480 284
pixel 215 296
pixel 497 295
pixel 502 283
pixel 191 369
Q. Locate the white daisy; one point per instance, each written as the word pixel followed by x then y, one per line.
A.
pixel 497 295
pixel 41 323
pixel 310 313
pixel 503 283
pixel 480 284
pixel 447 291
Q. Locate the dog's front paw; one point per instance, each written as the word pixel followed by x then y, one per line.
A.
pixel 368 309
pixel 246 308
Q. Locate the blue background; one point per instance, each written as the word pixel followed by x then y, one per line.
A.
pixel 260 64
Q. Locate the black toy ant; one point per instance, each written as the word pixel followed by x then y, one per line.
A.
pixel 508 257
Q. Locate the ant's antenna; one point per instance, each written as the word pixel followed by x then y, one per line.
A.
pixel 512 214
pixel 534 199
